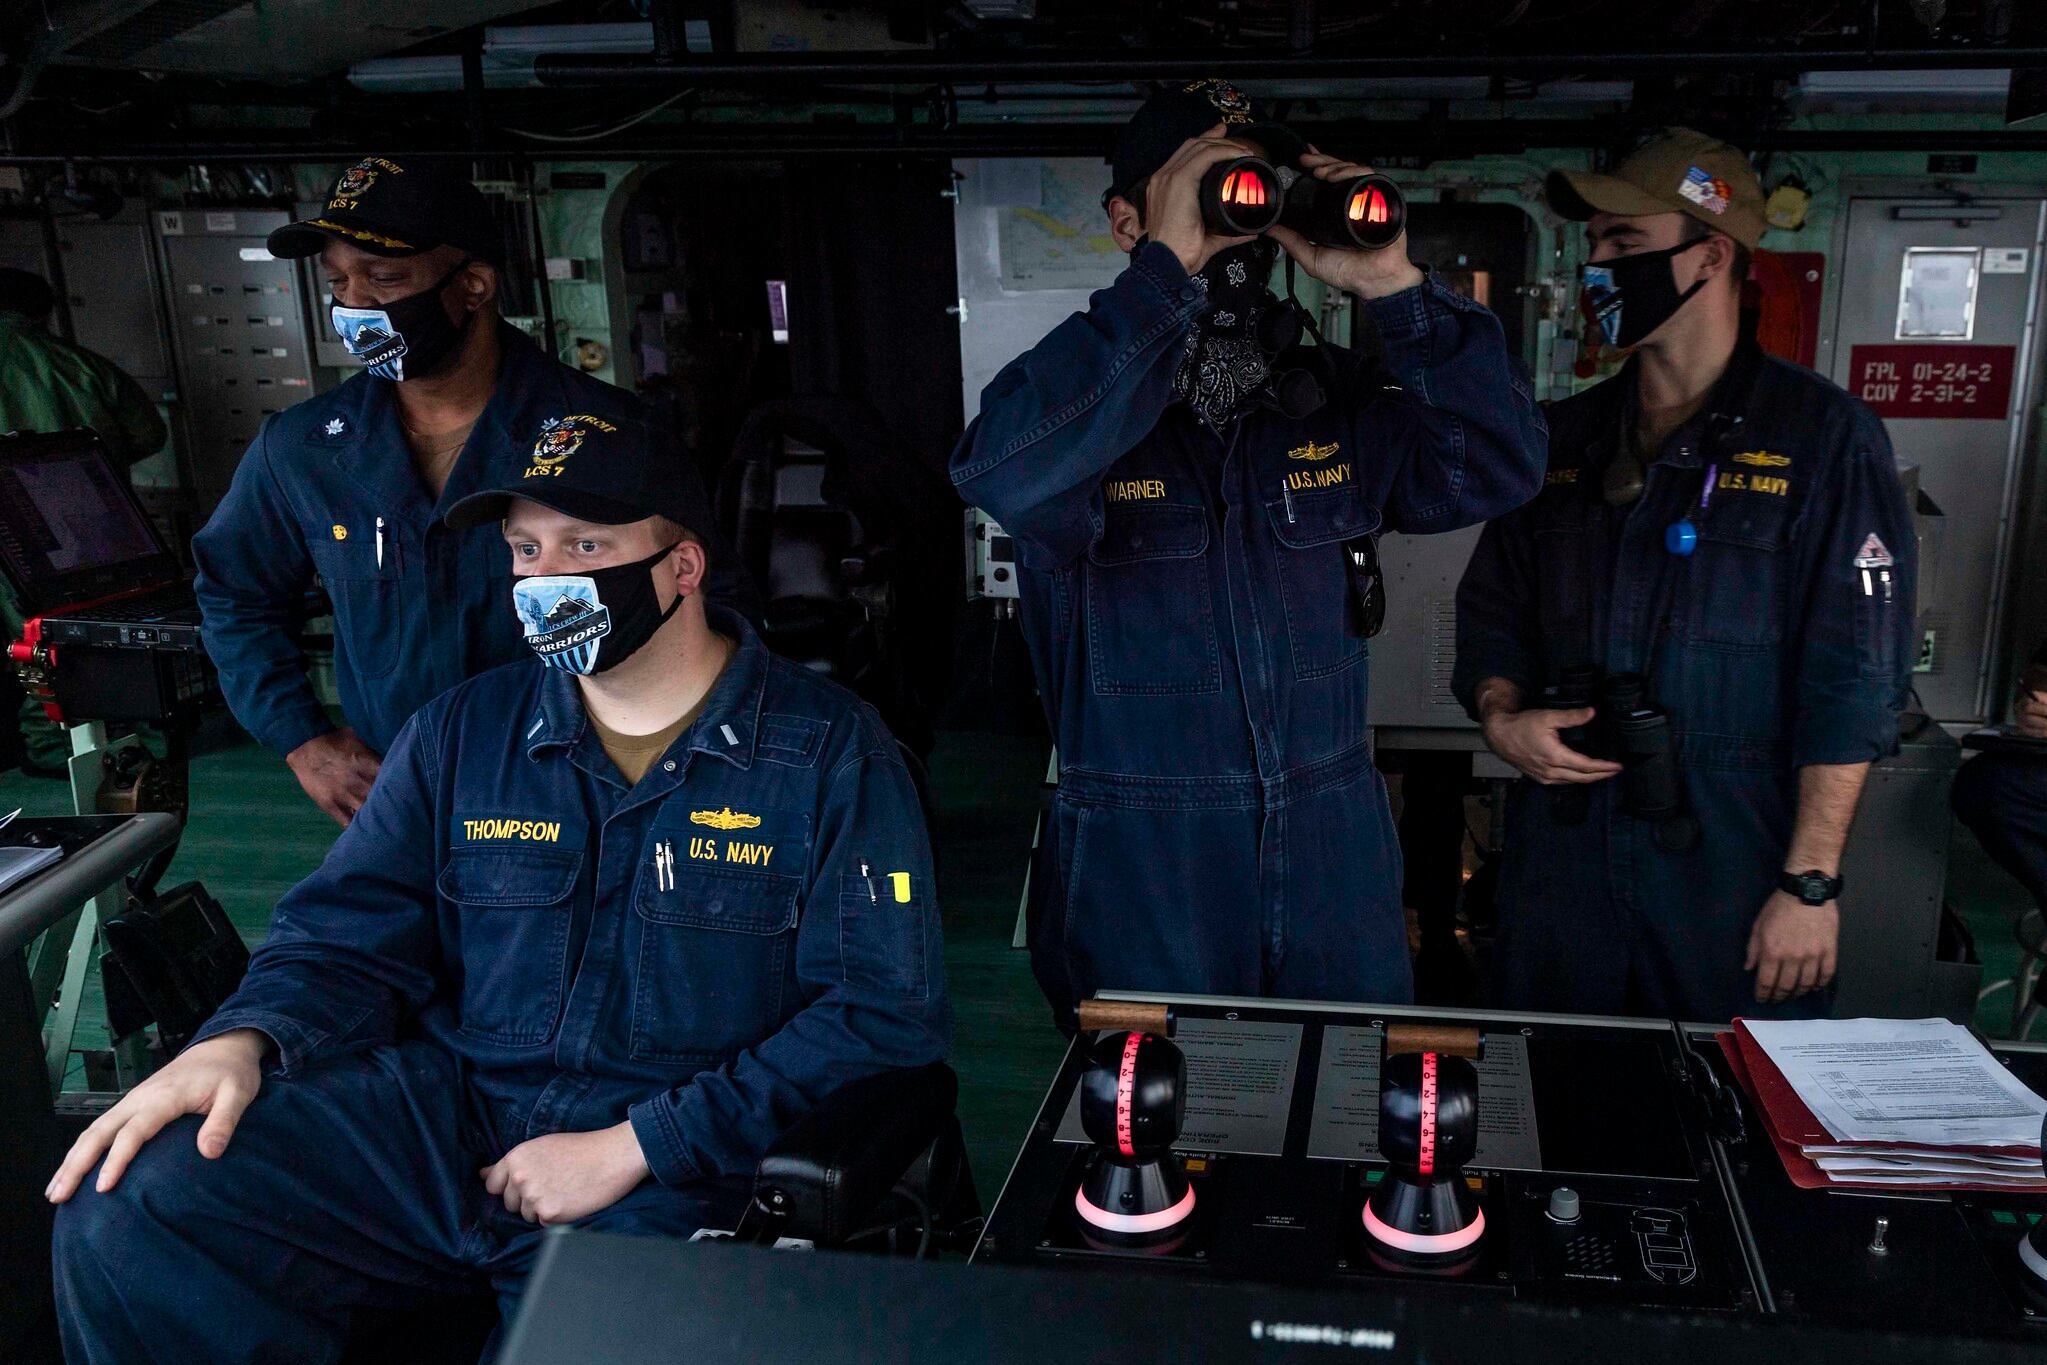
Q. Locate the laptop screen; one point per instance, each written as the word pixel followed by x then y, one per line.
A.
pixel 70 529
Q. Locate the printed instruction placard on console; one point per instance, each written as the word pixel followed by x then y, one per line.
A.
pixel 1346 1123
pixel 1240 1084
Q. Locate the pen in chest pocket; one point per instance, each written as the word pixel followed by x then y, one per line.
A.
pixel 380 543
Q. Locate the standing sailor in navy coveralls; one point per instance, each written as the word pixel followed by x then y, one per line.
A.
pixel 1188 589
pixel 1729 527
pixel 351 485
pixel 609 922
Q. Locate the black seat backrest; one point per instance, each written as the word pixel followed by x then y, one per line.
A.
pixel 805 535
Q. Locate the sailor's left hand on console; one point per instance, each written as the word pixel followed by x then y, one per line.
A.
pixel 562 1177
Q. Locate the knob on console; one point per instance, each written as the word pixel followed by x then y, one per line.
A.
pixel 1422 1211
pixel 1132 1101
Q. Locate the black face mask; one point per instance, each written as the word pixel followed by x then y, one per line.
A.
pixel 1225 365
pixel 590 622
pixel 408 338
pixel 1629 297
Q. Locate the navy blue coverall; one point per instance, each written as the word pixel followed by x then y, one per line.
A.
pixel 1219 825
pixel 2002 798
pixel 508 942
pixel 1769 647
pixel 414 618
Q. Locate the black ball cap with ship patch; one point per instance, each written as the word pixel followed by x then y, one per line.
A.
pixel 1166 120
pixel 390 206
pixel 607 470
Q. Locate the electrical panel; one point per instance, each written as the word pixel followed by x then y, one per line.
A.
pixel 110 285
pixel 241 332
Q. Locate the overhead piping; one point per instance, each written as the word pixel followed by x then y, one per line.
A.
pixel 925 68
pixel 1443 142
pixel 62 31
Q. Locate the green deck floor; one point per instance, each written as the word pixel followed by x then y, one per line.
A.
pixel 252 835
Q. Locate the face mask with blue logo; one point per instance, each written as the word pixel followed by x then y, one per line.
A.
pixel 587 623
pixel 407 338
pixel 1629 297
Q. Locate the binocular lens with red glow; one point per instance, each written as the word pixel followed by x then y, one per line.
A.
pixel 1245 196
pixel 1241 197
pixel 1366 211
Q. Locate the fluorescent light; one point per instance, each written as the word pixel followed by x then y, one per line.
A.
pixel 1925 89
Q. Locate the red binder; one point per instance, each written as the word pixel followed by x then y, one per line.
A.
pixel 1792 1125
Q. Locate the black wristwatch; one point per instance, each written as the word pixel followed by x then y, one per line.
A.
pixel 1813 887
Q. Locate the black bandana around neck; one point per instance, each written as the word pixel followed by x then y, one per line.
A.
pixel 1223 365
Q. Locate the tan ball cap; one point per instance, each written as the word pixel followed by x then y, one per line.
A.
pixel 1679 171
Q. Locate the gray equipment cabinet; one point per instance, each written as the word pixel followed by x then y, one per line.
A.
pixel 1896 867
pixel 242 333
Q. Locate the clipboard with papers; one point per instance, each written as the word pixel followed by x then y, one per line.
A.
pixel 1903 1106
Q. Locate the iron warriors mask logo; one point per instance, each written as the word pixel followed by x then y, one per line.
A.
pixel 564 618
pixel 404 339
pixel 587 623
pixel 370 335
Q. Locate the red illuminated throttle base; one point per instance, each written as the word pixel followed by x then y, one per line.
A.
pixel 1132 1101
pixel 1423 1212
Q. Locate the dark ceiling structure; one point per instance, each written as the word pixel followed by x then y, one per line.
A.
pixel 165 81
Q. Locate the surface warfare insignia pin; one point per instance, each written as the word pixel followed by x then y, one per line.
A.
pixel 1873 554
pixel 1763 459
pixel 335 426
pixel 1311 451
pixel 724 819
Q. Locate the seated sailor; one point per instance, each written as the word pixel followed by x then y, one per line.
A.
pixel 610 920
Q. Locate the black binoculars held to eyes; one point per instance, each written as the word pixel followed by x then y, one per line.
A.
pixel 1246 195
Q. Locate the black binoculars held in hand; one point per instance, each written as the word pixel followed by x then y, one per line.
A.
pixel 1632 730
pixel 1246 195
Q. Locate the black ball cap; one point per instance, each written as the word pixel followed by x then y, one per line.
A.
pixel 605 469
pixel 389 207
pixel 1173 115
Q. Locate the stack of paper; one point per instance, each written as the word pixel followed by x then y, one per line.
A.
pixel 21 860
pixel 1883 1103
